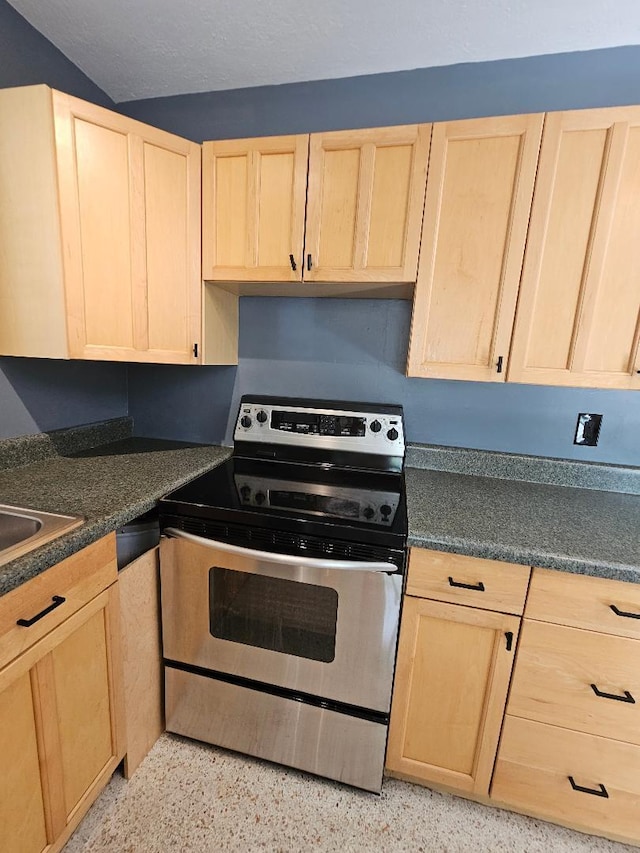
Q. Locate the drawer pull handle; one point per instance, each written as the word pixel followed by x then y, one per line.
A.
pixel 478 587
pixel 626 698
pixel 624 613
pixel 56 600
pixel 292 261
pixel 600 792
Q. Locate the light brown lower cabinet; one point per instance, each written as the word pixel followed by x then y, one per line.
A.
pixel 570 745
pixel 586 782
pixel 61 725
pixel 452 678
pixel 139 586
pixel 565 745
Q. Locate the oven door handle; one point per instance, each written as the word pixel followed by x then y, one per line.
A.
pixel 282 559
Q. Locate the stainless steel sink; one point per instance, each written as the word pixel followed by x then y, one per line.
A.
pixel 22 530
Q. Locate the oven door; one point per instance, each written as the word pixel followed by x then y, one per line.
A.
pixel 318 627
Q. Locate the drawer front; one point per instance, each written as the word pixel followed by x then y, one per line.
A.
pixel 472 581
pixel 77 580
pixel 537 762
pixel 611 607
pixel 560 672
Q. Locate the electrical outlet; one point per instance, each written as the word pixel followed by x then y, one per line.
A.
pixel 587 429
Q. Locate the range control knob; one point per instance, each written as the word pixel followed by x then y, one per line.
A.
pixel 245 421
pixel 261 416
pixel 392 434
pixel 368 512
pixel 260 498
pixel 385 509
pixel 375 426
pixel 245 492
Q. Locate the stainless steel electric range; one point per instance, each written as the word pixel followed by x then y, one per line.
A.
pixel 282 573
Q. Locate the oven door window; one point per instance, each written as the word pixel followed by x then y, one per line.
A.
pixel 272 613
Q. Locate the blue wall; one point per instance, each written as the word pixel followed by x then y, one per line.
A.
pixel 328 347
pixel 356 349
pixel 534 84
pixel 37 394
pixel 27 57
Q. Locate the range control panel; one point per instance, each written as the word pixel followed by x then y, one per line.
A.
pixel 365 505
pixel 368 430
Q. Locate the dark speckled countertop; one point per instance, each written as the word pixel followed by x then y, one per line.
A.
pixel 593 531
pixel 110 485
pixel 575 517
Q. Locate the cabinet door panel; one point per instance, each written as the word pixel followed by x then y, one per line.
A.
pixel 278 207
pixel 365 202
pixel 479 191
pixel 84 706
pixel 578 317
pixel 389 194
pixel 172 202
pixel 254 194
pixel 22 815
pixel 231 184
pixel 102 164
pixel 450 691
pixel 338 213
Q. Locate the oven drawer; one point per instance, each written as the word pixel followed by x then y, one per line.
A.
pixel 535 766
pixel 455 578
pixel 337 746
pixel 327 632
pixel 578 679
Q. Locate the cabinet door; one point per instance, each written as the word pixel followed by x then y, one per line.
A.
pixel 578 319
pixel 139 586
pixel 130 220
pixel 61 730
pixel 365 202
pixel 77 682
pixel 479 191
pixel 22 810
pixel 254 193
pixel 450 690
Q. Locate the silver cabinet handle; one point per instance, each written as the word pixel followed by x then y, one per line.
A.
pixel 283 559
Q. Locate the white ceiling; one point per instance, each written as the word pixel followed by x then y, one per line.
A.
pixel 150 48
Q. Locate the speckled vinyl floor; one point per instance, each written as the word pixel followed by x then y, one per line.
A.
pixel 189 797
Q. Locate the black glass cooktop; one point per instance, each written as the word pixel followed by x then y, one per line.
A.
pixel 359 505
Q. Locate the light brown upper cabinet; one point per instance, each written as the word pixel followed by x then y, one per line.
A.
pixel 365 203
pixel 578 320
pixel 99 234
pixel 363 192
pixel 478 199
pixel 253 208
